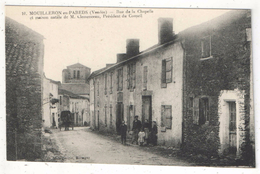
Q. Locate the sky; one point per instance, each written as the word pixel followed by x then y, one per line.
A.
pixel 94 42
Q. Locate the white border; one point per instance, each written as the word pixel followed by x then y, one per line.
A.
pixel 32 167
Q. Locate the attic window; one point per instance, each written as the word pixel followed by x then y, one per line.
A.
pixel 206 48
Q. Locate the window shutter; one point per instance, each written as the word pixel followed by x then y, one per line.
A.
pixel 105 115
pixel 105 79
pixel 110 114
pixel 121 84
pixel 163 82
pixel 128 116
pixel 202 48
pixel 134 69
pixel 196 111
pixel 168 116
pixel 145 77
pixel 162 116
pixel 210 105
pixel 128 76
pixel 111 82
pixel 117 79
pixel 169 70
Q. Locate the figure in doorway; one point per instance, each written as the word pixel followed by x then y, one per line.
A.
pixel 146 127
pixel 154 132
pixel 136 129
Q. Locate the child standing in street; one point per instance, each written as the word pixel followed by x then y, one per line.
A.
pixel 123 130
pixel 141 136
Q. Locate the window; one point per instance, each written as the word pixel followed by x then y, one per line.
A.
pixel 190 102
pixel 111 82
pixel 145 74
pixel 166 72
pixel 60 100
pixel 78 74
pixel 206 47
pixel 201 111
pixel 190 105
pixel 131 76
pixel 120 79
pixel 105 79
pixel 166 116
pixel 72 107
pixel 98 88
pixel 74 74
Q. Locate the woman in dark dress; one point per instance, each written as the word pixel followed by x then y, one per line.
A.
pixel 154 132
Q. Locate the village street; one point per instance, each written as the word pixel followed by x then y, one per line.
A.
pixel 84 146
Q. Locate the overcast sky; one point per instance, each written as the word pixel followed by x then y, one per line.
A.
pixel 95 42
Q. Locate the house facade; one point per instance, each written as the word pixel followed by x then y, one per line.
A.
pixel 77 105
pixel 50 102
pixel 196 85
pixel 218 103
pixel 24 51
pixel 140 84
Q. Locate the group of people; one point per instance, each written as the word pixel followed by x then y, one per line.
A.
pixel 142 134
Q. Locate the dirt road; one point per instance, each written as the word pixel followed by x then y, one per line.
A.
pixel 82 145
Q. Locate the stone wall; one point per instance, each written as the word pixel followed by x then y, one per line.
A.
pixel 24 79
pixel 228 68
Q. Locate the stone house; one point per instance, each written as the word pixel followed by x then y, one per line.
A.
pixel 140 84
pixel 217 93
pixel 50 102
pixel 196 85
pixel 76 104
pixel 24 91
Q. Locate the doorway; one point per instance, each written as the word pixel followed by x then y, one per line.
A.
pixel 232 128
pixel 130 116
pixel 147 109
pixel 119 115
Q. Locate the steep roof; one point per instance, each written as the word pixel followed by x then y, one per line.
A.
pixel 215 23
pixel 153 48
pixel 23 49
pixel 94 73
pixel 77 65
pixel 219 22
pixel 52 81
pixel 76 88
pixel 70 94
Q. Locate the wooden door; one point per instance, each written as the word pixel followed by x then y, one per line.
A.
pixel 77 119
pixel 232 127
pixel 146 109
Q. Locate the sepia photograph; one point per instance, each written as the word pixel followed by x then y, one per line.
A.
pixel 131 86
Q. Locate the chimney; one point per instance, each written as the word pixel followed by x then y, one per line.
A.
pixel 132 47
pixel 165 30
pixel 120 57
